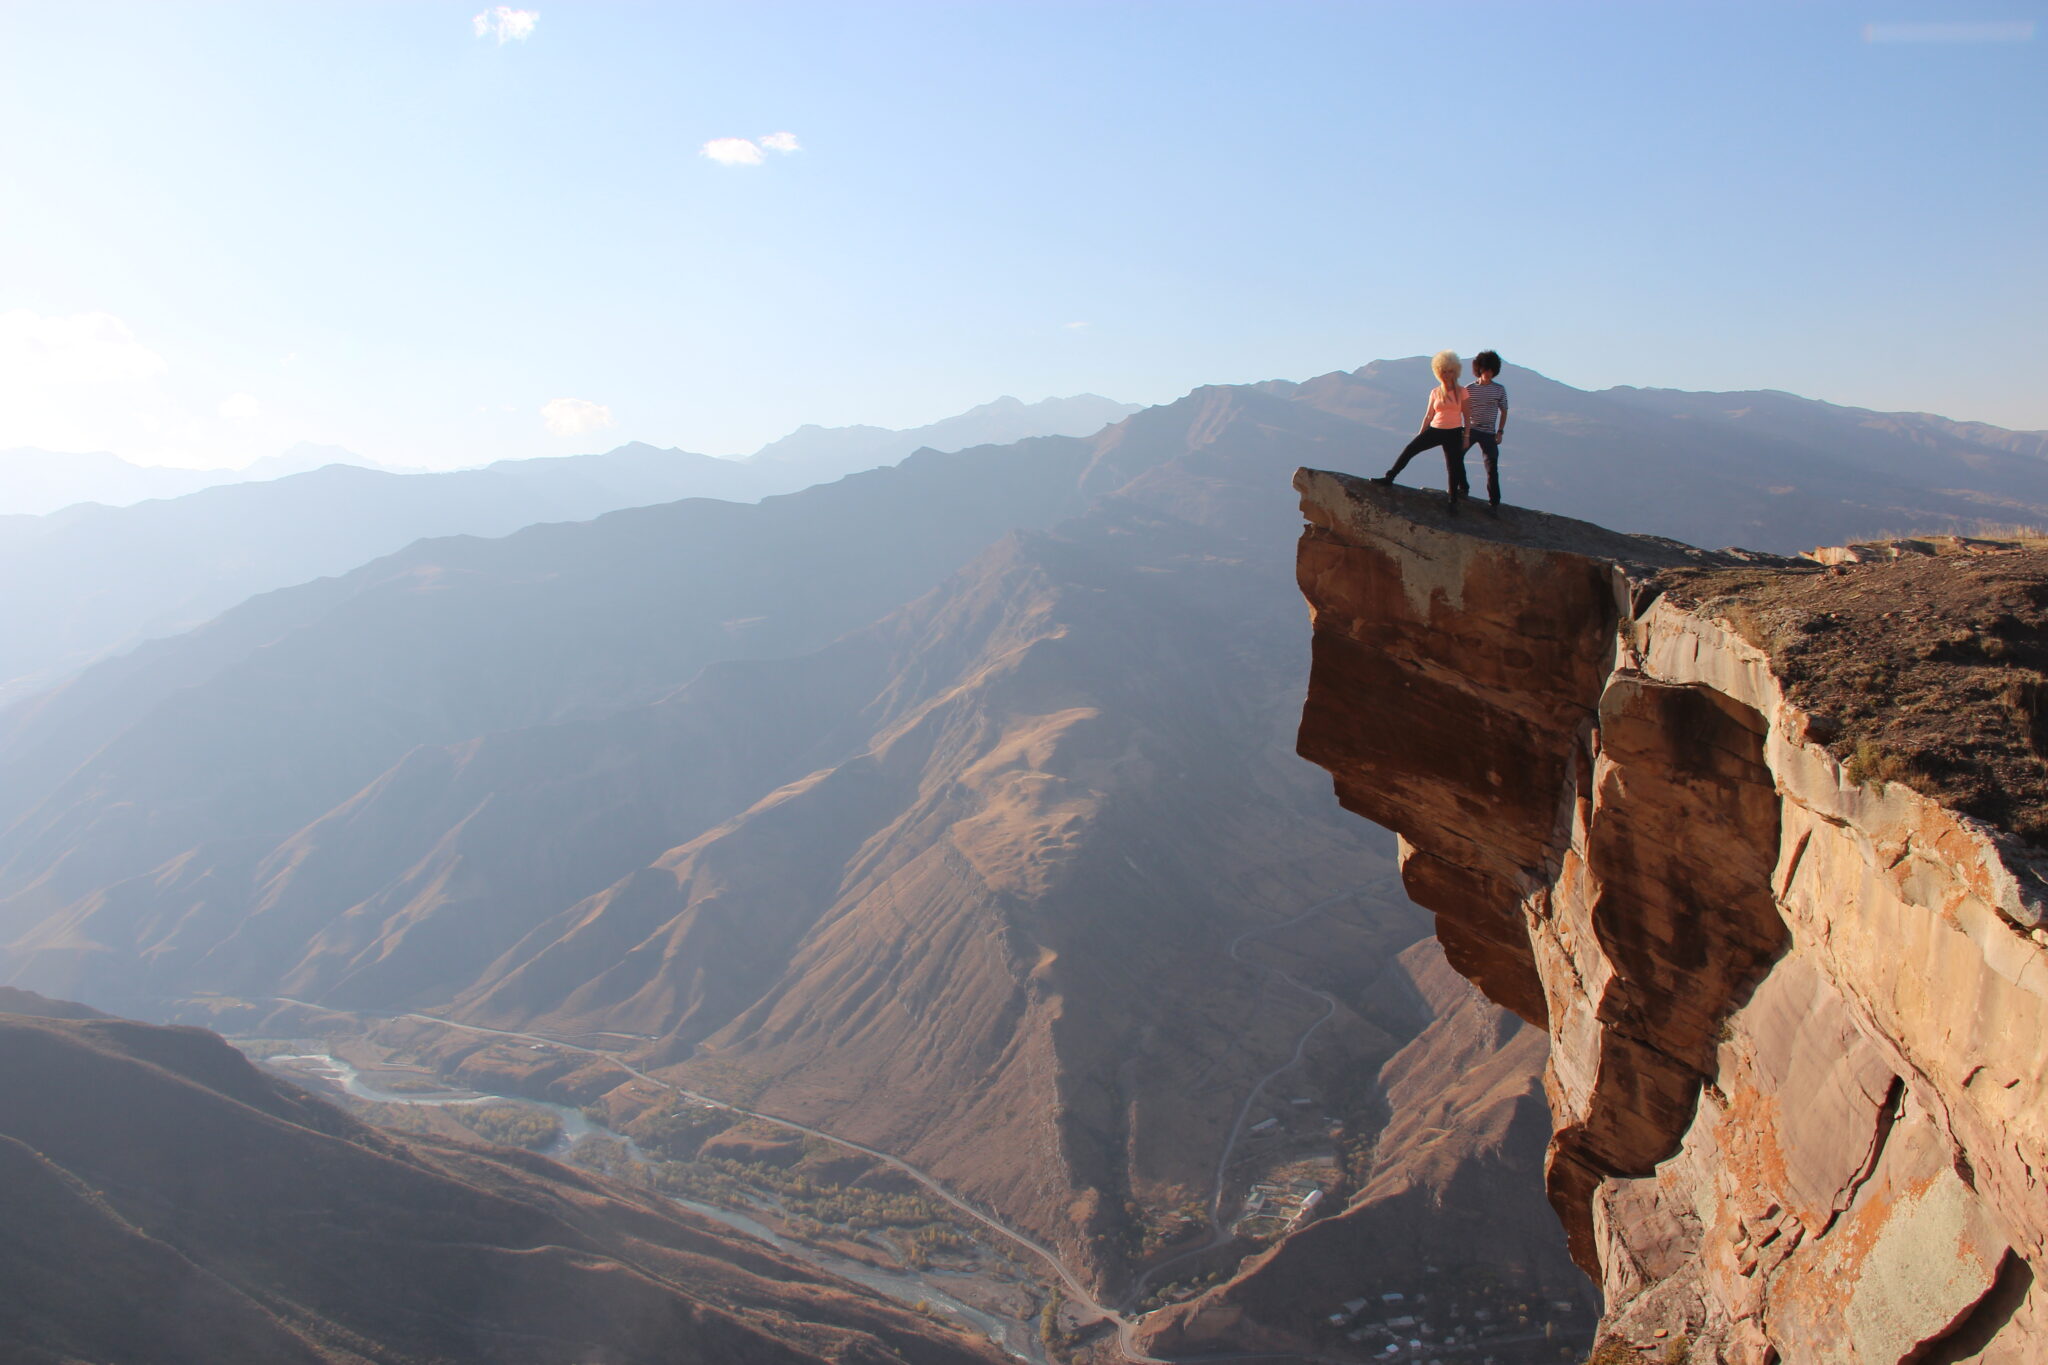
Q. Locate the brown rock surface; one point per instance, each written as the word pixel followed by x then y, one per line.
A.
pixel 1797 1061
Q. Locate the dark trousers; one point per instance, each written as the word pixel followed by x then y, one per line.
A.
pixel 1452 439
pixel 1489 446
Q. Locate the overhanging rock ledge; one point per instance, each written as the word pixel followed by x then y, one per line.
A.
pixel 1797 1049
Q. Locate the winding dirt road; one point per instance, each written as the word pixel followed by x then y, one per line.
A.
pixel 1218 1234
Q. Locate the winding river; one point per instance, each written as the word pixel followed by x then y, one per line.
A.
pixel 909 1285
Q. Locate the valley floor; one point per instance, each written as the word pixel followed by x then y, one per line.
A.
pixel 870 1218
pixel 841 1210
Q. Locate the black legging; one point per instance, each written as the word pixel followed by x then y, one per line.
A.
pixel 1489 446
pixel 1452 439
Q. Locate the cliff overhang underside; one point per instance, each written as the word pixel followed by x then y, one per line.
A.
pixel 1795 1009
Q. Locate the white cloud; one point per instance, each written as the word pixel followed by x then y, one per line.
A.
pixel 1074 326
pixel 745 151
pixel 505 23
pixel 733 151
pixel 574 416
pixel 76 382
pixel 83 381
pixel 82 349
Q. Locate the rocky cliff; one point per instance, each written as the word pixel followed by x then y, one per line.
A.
pixel 1715 822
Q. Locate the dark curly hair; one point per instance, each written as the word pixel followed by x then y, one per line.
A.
pixel 1489 361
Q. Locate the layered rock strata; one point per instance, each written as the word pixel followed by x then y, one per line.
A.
pixel 1796 1020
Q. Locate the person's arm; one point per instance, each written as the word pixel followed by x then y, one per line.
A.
pixel 1500 426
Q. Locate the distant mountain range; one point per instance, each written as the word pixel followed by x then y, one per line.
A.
pixel 80 583
pixel 813 454
pixel 873 798
pixel 33 482
pixel 932 806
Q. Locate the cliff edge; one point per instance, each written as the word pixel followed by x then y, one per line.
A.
pixel 1723 825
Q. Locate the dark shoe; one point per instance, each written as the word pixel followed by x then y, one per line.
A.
pixel 1493 510
pixel 1453 504
pixel 1384 481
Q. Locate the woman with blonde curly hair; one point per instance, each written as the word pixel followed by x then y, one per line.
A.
pixel 1443 424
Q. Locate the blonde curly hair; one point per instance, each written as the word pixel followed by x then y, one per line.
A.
pixel 1447 367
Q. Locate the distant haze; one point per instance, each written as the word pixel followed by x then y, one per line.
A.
pixel 33 482
pixel 79 583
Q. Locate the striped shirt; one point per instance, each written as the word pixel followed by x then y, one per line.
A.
pixel 1485 404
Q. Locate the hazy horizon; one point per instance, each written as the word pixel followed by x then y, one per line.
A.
pixel 621 439
pixel 307 450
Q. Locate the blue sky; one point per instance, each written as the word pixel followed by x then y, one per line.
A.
pixel 237 226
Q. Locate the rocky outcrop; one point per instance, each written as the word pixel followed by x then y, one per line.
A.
pixel 1796 1019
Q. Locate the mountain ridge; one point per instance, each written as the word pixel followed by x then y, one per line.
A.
pixel 90 579
pixel 857 793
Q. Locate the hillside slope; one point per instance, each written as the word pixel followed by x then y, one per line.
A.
pixel 166 1203
pixel 882 883
pixel 1453 1181
pixel 849 802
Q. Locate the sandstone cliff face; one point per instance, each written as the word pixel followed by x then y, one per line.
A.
pixel 1797 1051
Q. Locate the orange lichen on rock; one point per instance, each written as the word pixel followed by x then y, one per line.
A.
pixel 1799 1071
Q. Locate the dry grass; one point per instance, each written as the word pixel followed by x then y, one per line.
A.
pixel 1872 765
pixel 1929 671
pixel 2020 535
pixel 1615 1351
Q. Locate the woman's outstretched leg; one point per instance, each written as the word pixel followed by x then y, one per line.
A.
pixel 1423 441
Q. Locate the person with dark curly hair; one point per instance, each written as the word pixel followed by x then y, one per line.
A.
pixel 1486 420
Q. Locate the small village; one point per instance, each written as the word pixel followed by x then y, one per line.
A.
pixel 1290 1152
pixel 1275 1207
pixel 1455 1319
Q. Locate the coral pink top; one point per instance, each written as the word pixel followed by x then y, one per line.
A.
pixel 1446 409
